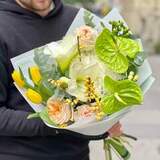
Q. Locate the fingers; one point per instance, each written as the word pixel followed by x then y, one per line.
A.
pixel 117 126
pixel 116 130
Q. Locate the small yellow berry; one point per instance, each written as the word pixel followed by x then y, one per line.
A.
pixel 98 118
pixel 102 114
pixel 130 77
pixel 68 101
pixel 131 73
pixel 72 104
pixel 97 107
pixel 76 101
pixel 49 80
pixel 52 81
pixel 93 108
pixel 63 126
pixel 98 114
pixel 136 77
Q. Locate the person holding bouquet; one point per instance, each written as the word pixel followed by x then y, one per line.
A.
pixel 24 25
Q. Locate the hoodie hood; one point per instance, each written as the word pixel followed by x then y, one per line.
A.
pixel 13 7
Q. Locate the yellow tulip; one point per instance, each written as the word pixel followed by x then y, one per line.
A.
pixel 34 96
pixel 18 78
pixel 35 74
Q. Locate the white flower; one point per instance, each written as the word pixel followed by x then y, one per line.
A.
pixel 91 67
pixel 79 71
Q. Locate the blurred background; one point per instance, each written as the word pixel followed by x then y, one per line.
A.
pixel 143 18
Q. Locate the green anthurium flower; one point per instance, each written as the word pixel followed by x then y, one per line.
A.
pixel 120 94
pixel 114 50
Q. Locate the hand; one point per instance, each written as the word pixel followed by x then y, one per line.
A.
pixel 116 130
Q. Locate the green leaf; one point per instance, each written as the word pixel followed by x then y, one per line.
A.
pixel 88 19
pixel 47 64
pixel 45 117
pixel 46 89
pixel 114 50
pixel 27 84
pixel 33 115
pixel 29 73
pixel 121 94
pixel 21 73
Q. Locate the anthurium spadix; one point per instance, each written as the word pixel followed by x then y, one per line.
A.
pixel 64 51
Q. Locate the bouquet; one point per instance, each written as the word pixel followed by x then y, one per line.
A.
pixel 87 81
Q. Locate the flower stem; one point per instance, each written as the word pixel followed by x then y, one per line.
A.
pixel 129 136
pixel 79 51
pixel 107 149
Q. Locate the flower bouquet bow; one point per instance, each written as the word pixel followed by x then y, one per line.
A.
pixel 87 81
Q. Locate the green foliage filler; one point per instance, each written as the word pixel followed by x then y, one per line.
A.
pixel 43 115
pixel 88 18
pixel 47 64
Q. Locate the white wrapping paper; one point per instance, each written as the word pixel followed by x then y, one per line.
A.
pixel 90 126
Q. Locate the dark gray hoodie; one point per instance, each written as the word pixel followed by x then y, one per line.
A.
pixel 22 139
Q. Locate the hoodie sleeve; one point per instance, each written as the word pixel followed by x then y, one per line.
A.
pixel 13 122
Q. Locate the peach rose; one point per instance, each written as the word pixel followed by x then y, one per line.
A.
pixel 85 111
pixel 87 36
pixel 59 112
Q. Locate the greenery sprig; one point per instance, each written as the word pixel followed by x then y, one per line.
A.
pixel 119 29
pixel 88 19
